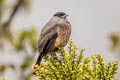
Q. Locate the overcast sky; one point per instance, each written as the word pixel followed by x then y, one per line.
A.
pixel 92 21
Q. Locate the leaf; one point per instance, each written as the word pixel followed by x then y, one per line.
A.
pixel 68 65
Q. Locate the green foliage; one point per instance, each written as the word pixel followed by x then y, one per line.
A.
pixel 18 43
pixel 30 36
pixel 2 68
pixel 70 65
pixel 115 41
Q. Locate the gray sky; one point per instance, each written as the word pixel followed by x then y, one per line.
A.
pixel 92 21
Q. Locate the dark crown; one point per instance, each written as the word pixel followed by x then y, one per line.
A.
pixel 59 14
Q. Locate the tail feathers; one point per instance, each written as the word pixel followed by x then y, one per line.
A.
pixel 39 59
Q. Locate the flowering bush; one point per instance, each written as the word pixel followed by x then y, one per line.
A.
pixel 70 65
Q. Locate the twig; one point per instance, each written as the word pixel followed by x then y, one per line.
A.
pixel 15 9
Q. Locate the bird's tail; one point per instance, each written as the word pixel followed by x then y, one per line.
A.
pixel 39 59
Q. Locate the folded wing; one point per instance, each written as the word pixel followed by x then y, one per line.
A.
pixel 46 44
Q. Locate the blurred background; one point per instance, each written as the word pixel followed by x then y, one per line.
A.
pixel 95 27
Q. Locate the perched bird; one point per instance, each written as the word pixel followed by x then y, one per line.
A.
pixel 55 34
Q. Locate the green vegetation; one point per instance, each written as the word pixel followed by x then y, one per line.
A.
pixel 70 65
pixel 63 65
pixel 115 41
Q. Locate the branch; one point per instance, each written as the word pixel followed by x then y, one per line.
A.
pixel 15 9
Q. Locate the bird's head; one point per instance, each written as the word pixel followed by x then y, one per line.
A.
pixel 60 15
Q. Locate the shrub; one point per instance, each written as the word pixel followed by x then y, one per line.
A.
pixel 70 65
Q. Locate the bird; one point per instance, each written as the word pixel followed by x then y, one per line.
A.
pixel 55 34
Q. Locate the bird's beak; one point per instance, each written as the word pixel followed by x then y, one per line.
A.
pixel 65 16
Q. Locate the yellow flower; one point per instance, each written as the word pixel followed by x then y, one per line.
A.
pixel 3 78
